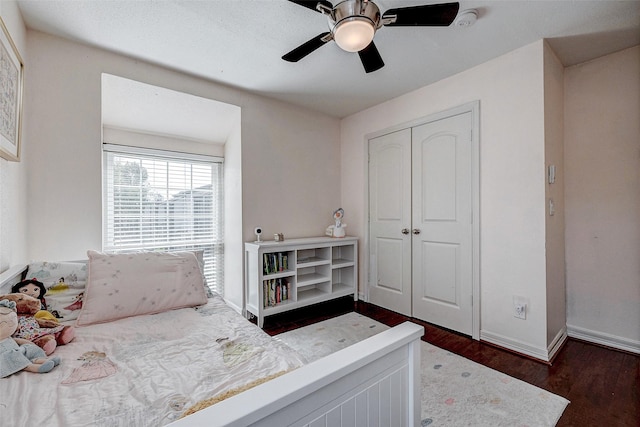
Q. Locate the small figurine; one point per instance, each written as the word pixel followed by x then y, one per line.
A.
pixel 337 216
pixel 337 230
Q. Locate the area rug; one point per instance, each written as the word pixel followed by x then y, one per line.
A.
pixel 455 391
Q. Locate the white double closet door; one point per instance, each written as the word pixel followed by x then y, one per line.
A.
pixel 420 222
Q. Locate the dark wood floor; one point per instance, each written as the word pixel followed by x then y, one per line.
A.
pixel 603 385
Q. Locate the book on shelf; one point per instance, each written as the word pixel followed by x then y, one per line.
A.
pixel 275 291
pixel 275 262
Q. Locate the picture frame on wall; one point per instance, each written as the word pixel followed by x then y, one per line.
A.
pixel 11 82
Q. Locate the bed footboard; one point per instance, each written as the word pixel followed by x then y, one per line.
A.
pixel 374 382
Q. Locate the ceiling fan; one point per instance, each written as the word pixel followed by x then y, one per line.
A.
pixel 353 23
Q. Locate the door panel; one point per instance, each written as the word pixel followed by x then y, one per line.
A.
pixel 438 168
pixel 389 214
pixel 439 261
pixel 442 212
pixel 391 268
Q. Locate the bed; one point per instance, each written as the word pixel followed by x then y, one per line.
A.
pixel 149 369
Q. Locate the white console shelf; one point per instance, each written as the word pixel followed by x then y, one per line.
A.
pixel 282 276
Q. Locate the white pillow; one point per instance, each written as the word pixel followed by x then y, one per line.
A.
pixel 125 285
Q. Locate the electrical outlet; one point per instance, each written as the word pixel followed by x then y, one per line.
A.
pixel 520 311
pixel 520 307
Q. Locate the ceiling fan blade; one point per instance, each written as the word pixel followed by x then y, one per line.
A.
pixel 371 59
pixel 312 4
pixel 306 48
pixel 429 15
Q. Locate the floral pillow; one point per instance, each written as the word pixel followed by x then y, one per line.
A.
pixel 65 283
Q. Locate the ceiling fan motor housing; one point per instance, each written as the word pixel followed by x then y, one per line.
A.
pixel 354 9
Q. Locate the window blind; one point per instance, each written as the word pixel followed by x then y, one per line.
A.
pixel 164 201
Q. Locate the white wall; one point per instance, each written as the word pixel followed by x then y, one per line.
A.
pixel 602 163
pixel 290 157
pixel 13 175
pixel 512 177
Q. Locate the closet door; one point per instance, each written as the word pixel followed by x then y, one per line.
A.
pixel 390 221
pixel 442 223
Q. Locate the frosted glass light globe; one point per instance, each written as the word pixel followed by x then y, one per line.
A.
pixel 354 35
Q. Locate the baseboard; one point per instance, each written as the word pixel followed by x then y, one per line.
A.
pixel 232 305
pixel 602 338
pixel 557 343
pixel 519 347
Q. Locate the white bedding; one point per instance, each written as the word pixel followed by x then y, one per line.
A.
pixel 157 366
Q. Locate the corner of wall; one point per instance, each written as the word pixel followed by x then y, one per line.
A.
pixel 554 195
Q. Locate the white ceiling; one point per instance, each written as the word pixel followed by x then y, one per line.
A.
pixel 240 42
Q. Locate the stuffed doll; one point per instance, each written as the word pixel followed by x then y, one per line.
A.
pixel 46 333
pixel 36 289
pixel 33 288
pixel 17 354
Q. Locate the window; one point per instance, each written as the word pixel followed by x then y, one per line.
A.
pixel 164 201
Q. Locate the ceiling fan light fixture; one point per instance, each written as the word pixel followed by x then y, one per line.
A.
pixel 353 24
pixel 354 34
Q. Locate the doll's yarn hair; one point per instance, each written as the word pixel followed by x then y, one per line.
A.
pixel 16 288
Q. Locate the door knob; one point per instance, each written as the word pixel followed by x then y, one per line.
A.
pixel 416 231
pixel 405 231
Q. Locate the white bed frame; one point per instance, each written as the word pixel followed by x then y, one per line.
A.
pixel 375 382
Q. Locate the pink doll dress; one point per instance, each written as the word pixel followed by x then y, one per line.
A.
pixel 29 329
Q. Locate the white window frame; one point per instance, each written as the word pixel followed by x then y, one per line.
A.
pixel 213 244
